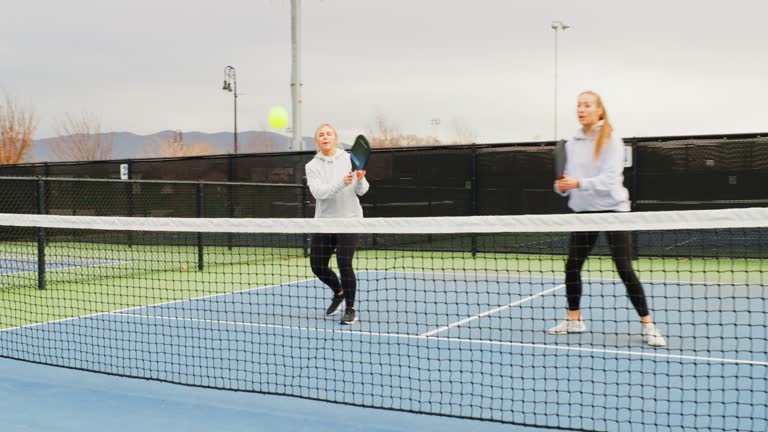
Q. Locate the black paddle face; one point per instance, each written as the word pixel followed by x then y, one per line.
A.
pixel 559 155
pixel 360 153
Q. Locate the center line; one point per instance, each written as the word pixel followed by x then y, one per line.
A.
pixel 490 312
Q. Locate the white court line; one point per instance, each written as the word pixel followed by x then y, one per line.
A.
pixel 461 340
pixel 492 311
pixel 473 274
pixel 557 277
pixel 212 295
pixel 150 305
pixel 62 266
pixel 394 335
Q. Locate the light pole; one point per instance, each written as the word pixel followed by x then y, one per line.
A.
pixel 230 85
pixel 557 26
pixel 297 142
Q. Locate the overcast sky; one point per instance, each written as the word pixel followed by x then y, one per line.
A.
pixel 663 67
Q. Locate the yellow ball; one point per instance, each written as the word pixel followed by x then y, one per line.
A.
pixel 183 266
pixel 278 117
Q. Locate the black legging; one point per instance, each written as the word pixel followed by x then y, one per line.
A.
pixel 322 247
pixel 620 243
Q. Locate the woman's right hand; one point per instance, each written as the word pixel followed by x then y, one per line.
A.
pixel 566 183
pixel 348 179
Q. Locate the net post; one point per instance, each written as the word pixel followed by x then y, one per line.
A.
pixel 41 234
pixel 200 214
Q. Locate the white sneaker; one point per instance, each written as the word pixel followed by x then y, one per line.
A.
pixel 568 326
pixel 652 336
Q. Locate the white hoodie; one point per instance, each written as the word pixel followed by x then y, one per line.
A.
pixel 325 177
pixel 601 180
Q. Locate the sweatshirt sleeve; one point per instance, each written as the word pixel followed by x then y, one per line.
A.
pixel 611 168
pixel 319 189
pixel 361 187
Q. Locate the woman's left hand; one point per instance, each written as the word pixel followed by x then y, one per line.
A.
pixel 360 174
pixel 567 183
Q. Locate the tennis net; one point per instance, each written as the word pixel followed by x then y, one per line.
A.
pixel 452 313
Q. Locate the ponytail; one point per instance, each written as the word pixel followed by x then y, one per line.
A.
pixel 605 134
pixel 606 130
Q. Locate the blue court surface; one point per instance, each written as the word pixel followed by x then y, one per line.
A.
pixel 456 344
pixel 39 398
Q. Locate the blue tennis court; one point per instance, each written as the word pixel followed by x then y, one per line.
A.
pixel 462 344
pixel 67 400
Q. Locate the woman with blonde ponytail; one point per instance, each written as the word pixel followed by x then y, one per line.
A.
pixel 593 180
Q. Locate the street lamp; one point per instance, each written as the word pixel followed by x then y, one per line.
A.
pixel 557 26
pixel 230 85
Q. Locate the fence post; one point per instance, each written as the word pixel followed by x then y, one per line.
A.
pixel 633 197
pixel 304 211
pixel 473 192
pixel 131 209
pixel 200 214
pixel 41 234
pixel 230 199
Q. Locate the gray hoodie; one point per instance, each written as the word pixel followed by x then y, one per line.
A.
pixel 601 180
pixel 325 177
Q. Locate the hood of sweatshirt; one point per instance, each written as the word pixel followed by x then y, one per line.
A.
pixel 339 154
pixel 593 133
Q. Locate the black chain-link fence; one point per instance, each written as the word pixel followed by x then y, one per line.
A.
pixel 667 173
pixel 700 173
pixel 150 198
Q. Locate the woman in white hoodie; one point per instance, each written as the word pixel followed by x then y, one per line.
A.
pixel 335 188
pixel 593 180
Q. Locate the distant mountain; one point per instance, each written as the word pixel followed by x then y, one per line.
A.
pixel 127 145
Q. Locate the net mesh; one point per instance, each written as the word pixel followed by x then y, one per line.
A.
pixel 452 313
